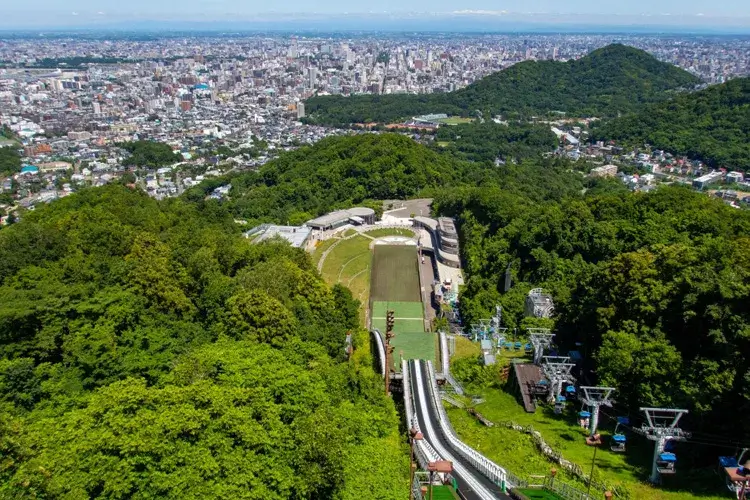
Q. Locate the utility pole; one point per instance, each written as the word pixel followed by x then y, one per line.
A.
pixel 389 322
pixel 541 339
pixel 557 370
pixel 596 397
pixel 661 427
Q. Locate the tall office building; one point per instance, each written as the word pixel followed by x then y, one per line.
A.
pixel 312 77
pixel 300 110
pixel 97 108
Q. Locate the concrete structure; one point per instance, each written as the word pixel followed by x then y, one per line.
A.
pixel 735 177
pixel 704 180
pixel 357 215
pixel 444 239
pixel 297 236
pixel 604 171
pixel 539 304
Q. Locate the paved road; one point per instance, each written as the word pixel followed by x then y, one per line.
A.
pixel 471 483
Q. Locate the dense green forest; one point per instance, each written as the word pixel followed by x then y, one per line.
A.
pixel 712 125
pixel 489 141
pixel 149 154
pixel 655 287
pixel 336 172
pixel 608 81
pixel 339 172
pixel 147 350
pixel 10 161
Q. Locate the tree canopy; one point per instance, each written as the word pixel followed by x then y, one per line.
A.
pixel 10 161
pixel 149 154
pixel 712 125
pixel 653 287
pixel 611 80
pixel 147 350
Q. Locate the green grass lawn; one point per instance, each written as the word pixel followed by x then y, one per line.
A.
pixel 534 494
pixel 563 435
pixel 349 262
pixel 321 247
pixel 455 120
pixel 442 493
pixel 390 231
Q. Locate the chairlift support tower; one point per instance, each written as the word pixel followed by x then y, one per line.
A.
pixel 595 397
pixel 557 369
pixel 661 427
pixel 541 339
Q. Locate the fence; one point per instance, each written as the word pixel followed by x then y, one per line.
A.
pixel 571 467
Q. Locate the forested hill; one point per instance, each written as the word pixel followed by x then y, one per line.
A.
pixel 712 125
pixel 653 288
pixel 611 80
pixel 339 172
pixel 147 350
pixel 334 173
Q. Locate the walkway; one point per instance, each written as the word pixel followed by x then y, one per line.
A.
pixel 527 374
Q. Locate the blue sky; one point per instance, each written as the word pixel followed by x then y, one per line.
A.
pixel 77 12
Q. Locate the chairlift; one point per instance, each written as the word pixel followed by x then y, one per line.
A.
pixel 618 439
pixel 665 463
pixel 559 404
pixel 734 470
pixel 570 392
pixel 529 348
pixel 518 346
pixel 583 419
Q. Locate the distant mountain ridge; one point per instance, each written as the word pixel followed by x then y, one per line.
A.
pixel 608 81
pixel 712 125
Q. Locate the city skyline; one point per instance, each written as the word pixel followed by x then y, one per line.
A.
pixel 416 15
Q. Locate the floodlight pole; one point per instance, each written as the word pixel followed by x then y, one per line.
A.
pixel 595 397
pixel 661 427
pixel 389 322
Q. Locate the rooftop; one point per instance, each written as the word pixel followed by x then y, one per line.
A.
pixel 295 235
pixel 340 215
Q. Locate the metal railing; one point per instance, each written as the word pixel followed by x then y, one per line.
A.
pixel 423 450
pixel 446 364
pixel 381 349
pixel 490 469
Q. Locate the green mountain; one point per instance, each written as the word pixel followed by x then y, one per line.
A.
pixel 712 125
pixel 148 351
pixel 334 173
pixel 608 81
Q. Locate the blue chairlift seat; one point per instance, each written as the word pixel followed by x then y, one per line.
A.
pixel 623 420
pixel 618 443
pixel 518 345
pixel 728 462
pixel 570 389
pixel 665 463
pixel 667 457
pixel 529 347
pixel 584 414
pixel 561 399
pixel 509 345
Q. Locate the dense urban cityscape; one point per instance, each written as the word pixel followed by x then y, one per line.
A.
pixel 345 264
pixel 72 101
